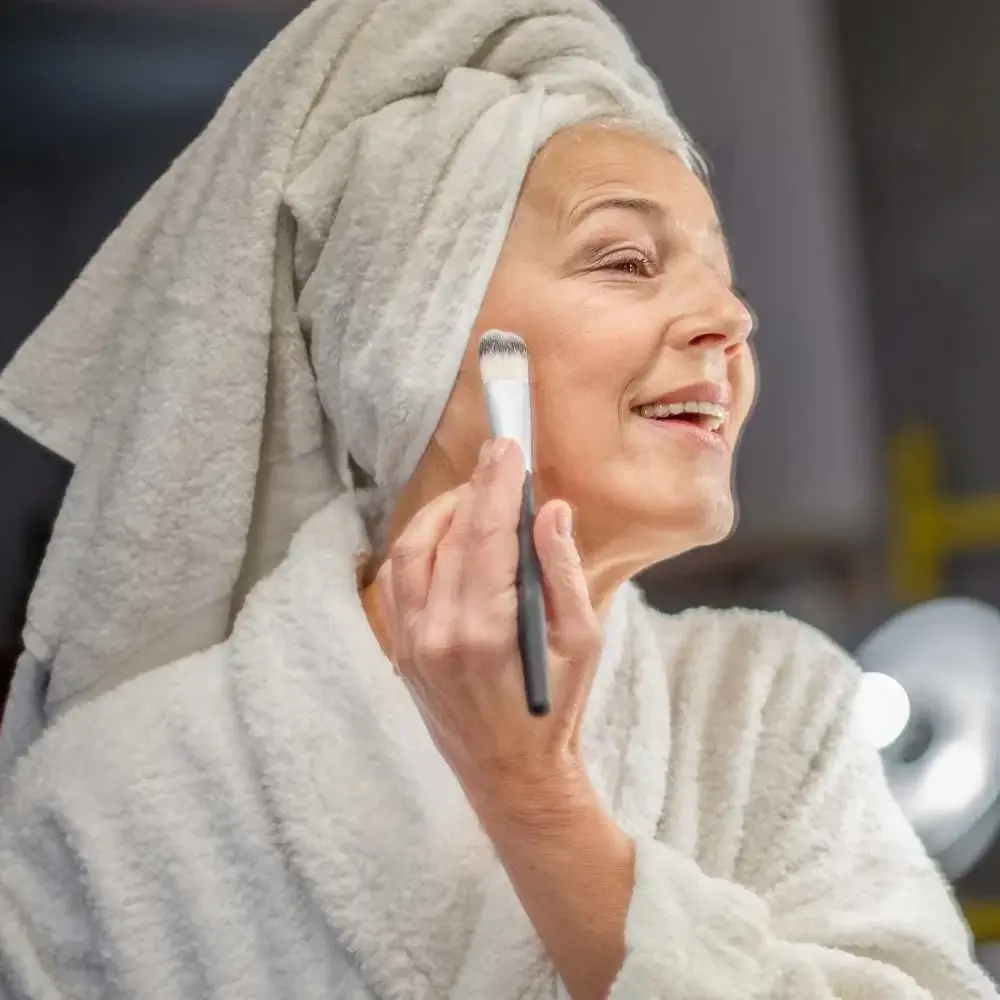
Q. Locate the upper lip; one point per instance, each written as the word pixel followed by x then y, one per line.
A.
pixel 717 393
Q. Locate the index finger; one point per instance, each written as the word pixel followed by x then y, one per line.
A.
pixel 490 566
pixel 412 557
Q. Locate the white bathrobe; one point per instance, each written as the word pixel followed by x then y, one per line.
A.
pixel 269 819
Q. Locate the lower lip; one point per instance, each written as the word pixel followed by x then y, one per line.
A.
pixel 690 432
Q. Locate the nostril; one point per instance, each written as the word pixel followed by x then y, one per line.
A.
pixel 712 339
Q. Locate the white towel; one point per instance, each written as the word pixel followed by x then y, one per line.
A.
pixel 298 288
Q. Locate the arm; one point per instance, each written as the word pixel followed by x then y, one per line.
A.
pixel 573 870
pixel 836 898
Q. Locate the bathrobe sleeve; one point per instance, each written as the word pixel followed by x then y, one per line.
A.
pixel 134 858
pixel 49 945
pixel 834 896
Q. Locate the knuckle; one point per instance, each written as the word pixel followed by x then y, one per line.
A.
pixel 456 542
pixel 583 638
pixel 486 531
pixel 563 575
pixel 434 643
pixel 480 639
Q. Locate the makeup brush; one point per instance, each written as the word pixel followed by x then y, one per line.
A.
pixel 503 365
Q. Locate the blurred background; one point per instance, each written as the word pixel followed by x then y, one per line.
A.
pixel 855 150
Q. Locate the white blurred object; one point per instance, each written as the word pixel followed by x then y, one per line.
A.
pixel 931 703
pixel 883 709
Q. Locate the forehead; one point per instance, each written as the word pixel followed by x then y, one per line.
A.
pixel 589 162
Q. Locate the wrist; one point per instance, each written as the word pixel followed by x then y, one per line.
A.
pixel 562 819
pixel 561 809
pixel 525 792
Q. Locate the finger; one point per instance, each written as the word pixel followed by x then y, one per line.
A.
pixel 490 566
pixel 412 558
pixel 387 606
pixel 453 549
pixel 574 629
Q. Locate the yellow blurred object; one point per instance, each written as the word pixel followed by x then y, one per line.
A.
pixel 983 917
pixel 928 525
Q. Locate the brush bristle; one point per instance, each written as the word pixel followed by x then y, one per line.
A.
pixel 503 357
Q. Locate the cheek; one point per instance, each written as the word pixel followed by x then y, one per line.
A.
pixel 578 417
pixel 464 425
pixel 589 345
pixel 588 331
pixel 581 375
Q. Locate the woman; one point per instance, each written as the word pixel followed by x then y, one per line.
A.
pixel 340 792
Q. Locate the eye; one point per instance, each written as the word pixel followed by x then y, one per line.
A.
pixel 631 263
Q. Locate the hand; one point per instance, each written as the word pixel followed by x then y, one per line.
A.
pixel 450 604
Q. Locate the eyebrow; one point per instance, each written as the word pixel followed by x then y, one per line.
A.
pixel 648 208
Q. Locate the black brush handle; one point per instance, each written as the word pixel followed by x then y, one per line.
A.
pixel 532 631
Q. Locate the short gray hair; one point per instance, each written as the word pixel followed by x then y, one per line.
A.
pixel 667 132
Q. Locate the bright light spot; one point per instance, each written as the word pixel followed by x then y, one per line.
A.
pixel 956 777
pixel 882 709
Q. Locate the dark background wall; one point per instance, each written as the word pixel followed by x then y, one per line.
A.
pixel 922 81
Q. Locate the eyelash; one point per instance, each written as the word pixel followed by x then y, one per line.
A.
pixel 621 261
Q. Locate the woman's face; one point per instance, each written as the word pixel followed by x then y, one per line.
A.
pixel 617 276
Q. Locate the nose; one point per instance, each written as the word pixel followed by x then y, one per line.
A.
pixel 716 317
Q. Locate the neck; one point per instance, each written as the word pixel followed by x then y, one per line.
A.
pixel 608 563
pixel 605 572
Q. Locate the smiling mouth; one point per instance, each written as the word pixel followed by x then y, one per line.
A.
pixel 709 417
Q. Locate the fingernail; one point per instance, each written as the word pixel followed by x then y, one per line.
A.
pixel 564 521
pixel 500 448
pixel 484 453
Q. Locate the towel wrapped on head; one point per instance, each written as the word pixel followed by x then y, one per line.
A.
pixel 287 307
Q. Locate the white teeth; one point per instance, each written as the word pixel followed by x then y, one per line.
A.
pixel 715 415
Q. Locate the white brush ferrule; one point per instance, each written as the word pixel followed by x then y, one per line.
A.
pixel 508 402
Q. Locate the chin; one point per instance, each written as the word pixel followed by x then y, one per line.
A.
pixel 693 524
pixel 646 536
pixel 715 518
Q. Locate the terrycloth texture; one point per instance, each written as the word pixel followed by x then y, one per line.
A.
pixel 317 257
pixel 270 819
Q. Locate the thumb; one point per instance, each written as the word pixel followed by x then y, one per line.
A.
pixel 574 630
